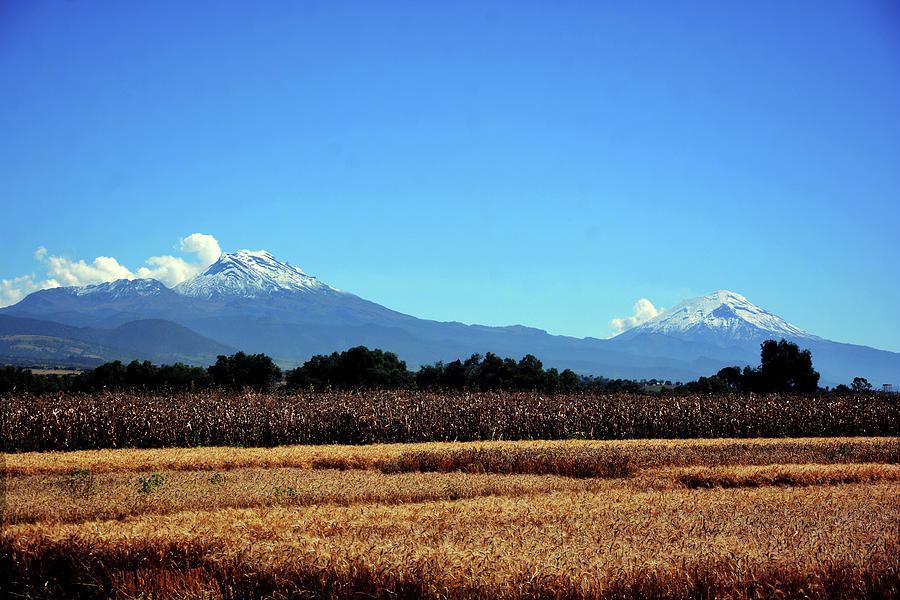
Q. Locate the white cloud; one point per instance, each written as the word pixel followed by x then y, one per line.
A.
pixel 71 272
pixel 643 311
pixel 170 270
pixel 205 246
pixel 13 290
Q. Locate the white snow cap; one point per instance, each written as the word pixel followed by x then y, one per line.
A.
pixel 723 311
pixel 250 274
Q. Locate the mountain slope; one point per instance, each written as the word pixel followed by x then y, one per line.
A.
pixel 251 301
pixel 149 339
pixel 161 338
pixel 104 305
pixel 250 274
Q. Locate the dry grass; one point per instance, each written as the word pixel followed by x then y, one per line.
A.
pixel 413 457
pixel 816 518
pixel 791 475
pixel 115 496
pixel 583 544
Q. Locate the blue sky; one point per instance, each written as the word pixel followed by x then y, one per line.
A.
pixel 540 163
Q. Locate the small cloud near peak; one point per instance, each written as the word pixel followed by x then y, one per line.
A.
pixel 206 246
pixel 173 270
pixel 643 311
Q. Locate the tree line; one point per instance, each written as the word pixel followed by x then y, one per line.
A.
pixel 356 368
pixel 363 368
pixel 784 368
pixel 235 372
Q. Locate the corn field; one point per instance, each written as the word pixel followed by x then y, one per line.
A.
pixel 210 418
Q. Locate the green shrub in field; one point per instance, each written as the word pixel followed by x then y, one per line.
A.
pixel 78 483
pixel 147 485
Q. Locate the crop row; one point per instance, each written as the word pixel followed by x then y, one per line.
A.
pixel 818 542
pixel 211 418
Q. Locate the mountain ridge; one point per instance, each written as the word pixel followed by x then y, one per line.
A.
pixel 251 301
pixel 144 339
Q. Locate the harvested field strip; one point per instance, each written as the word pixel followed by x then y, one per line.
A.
pixel 578 462
pixel 117 496
pixel 816 542
pixel 640 454
pixel 790 475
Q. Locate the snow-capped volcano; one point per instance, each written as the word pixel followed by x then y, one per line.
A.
pixel 721 318
pixel 121 288
pixel 250 274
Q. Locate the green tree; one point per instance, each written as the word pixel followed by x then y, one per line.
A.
pixel 182 377
pixel 428 377
pixel 785 368
pixel 732 377
pixel 472 366
pixel 495 373
pixel 142 375
pixel 530 373
pixel 569 381
pixel 238 371
pixel 708 385
pixel 358 367
pixel 550 381
pixel 109 376
pixel 17 379
pixel 861 384
pixel 361 367
pixel 454 376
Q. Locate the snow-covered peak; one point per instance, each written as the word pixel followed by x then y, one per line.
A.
pixel 721 317
pixel 249 274
pixel 122 288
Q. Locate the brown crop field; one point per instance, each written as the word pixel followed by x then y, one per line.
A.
pixel 248 419
pixel 729 518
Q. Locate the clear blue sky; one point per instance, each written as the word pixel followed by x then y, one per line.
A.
pixel 489 162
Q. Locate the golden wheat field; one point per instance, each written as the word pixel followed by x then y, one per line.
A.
pixel 756 518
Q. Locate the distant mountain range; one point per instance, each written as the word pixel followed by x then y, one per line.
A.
pixel 253 302
pixel 24 339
